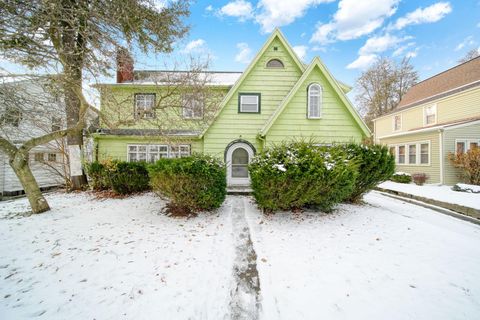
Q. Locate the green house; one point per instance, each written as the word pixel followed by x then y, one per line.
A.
pixel 231 115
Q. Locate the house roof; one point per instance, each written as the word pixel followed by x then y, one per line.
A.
pixel 219 78
pixel 316 62
pixel 458 77
pixel 147 132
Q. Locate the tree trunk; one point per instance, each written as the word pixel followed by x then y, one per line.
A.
pixel 24 174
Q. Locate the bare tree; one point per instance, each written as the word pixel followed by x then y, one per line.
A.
pixel 74 37
pixel 472 54
pixel 82 35
pixel 382 86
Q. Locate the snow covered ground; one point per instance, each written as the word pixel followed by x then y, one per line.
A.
pixel 436 192
pixel 122 259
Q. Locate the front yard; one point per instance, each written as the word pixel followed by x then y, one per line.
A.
pixel 123 259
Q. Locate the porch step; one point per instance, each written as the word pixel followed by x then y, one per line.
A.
pixel 239 190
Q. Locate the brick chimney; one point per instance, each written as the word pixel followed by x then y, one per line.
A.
pixel 124 66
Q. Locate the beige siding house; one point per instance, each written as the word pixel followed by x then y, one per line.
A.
pixel 436 117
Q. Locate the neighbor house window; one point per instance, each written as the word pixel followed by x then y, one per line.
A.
pixel 52 157
pixel 154 152
pixel 424 153
pixel 192 107
pixel 56 123
pixel 314 101
pixel 430 115
pixel 412 154
pixel 401 154
pixel 397 122
pixel 12 116
pixel 249 102
pixel 275 63
pixel 144 105
pixel 462 146
pixel 38 157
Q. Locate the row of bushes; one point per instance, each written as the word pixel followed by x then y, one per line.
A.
pixel 285 177
pixel 300 174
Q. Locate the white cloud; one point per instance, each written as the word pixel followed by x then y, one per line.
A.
pixel 277 13
pixel 240 9
pixel 429 14
pixel 363 62
pixel 245 53
pixel 198 45
pixel 380 44
pixel 468 41
pixel 319 48
pixel 209 8
pixel 400 50
pixel 354 19
pixel 412 54
pixel 301 51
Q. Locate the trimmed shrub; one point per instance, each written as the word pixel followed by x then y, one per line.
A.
pixel 419 178
pixel 299 174
pixel 375 165
pixel 119 176
pixel 401 177
pixel 129 177
pixel 469 163
pixel 192 184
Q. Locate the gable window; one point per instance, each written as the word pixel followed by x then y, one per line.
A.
pixel 314 101
pixel 430 115
pixel 412 153
pixel 192 107
pixel 144 105
pixel 249 102
pixel 397 122
pixel 154 152
pixel 56 124
pixel 275 64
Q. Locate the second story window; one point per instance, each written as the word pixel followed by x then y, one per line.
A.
pixel 430 115
pixel 249 102
pixel 56 124
pixel 193 107
pixel 397 122
pixel 144 106
pixel 12 116
pixel 314 103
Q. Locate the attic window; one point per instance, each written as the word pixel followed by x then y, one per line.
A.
pixel 275 48
pixel 275 63
pixel 314 101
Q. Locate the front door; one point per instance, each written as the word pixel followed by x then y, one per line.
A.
pixel 238 157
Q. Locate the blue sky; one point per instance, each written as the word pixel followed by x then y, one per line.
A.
pixel 346 34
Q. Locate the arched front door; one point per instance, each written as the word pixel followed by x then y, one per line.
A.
pixel 238 157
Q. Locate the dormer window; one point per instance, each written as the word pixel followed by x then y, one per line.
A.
pixel 275 64
pixel 144 106
pixel 314 101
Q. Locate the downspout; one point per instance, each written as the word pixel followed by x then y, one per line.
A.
pixel 262 138
pixel 442 158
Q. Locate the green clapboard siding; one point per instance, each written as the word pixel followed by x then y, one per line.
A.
pixel 336 124
pixel 273 84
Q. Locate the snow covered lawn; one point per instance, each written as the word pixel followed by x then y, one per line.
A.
pixel 122 259
pixel 436 192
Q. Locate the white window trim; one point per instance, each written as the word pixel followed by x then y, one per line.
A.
pixel 320 101
pixel 145 115
pixel 467 142
pixel 393 122
pixel 169 150
pixel 418 150
pixel 425 115
pixel 242 95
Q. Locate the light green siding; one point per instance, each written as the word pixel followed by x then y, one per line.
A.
pixel 115 147
pixel 335 125
pixel 272 84
pixel 433 169
pixel 451 174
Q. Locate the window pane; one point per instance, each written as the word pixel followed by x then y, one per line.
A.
pixel 401 154
pixel 249 99
pixel 473 145
pixel 412 154
pixel 240 156
pixel 392 151
pixel 424 153
pixel 274 63
pixel 239 171
pixel 460 147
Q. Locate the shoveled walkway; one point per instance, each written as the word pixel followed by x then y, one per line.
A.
pixel 245 302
